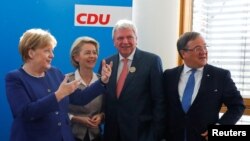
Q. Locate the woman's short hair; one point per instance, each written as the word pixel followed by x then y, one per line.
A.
pixel 33 39
pixel 76 48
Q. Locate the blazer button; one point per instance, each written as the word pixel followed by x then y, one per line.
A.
pixel 59 123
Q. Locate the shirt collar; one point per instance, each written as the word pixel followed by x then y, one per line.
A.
pixel 187 69
pixel 78 76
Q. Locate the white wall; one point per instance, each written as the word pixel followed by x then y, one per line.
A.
pixel 158 22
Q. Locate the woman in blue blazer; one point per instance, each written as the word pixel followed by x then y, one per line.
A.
pixel 39 94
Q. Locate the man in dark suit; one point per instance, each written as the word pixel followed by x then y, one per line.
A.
pixel 136 112
pixel 213 87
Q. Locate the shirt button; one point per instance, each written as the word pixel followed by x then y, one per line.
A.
pixel 56 113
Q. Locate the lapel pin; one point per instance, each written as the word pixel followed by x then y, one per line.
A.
pixel 132 69
pixel 215 90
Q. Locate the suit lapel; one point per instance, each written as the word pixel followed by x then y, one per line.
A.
pixel 113 78
pixel 131 74
pixel 205 83
pixel 177 79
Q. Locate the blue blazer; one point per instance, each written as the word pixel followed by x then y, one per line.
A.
pixel 216 88
pixel 139 112
pixel 37 116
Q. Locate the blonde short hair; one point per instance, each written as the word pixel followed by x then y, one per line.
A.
pixel 33 39
pixel 76 48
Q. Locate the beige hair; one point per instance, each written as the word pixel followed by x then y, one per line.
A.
pixel 76 48
pixel 33 39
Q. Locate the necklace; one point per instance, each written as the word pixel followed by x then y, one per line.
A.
pixel 37 76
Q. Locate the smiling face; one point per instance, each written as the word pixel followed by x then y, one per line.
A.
pixel 193 57
pixel 41 58
pixel 125 41
pixel 87 56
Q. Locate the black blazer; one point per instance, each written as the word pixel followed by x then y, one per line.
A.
pixel 216 88
pixel 139 112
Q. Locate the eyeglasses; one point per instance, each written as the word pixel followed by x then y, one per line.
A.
pixel 129 38
pixel 197 49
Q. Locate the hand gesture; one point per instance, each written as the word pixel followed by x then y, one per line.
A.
pixel 66 88
pixel 106 71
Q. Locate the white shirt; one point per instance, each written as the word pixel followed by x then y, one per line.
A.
pixel 184 78
pixel 78 77
pixel 120 66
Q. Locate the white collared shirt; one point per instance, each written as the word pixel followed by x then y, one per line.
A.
pixel 120 66
pixel 184 78
pixel 78 77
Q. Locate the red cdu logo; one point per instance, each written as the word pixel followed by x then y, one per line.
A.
pixel 103 16
pixel 92 18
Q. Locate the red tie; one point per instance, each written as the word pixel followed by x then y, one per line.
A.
pixel 122 77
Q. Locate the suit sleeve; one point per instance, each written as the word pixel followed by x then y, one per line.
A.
pixel 158 97
pixel 82 97
pixel 232 100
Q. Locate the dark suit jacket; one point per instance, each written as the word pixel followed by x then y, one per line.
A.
pixel 138 113
pixel 216 88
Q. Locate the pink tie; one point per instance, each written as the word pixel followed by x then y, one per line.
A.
pixel 122 77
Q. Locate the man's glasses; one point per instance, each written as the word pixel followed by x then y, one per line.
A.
pixel 197 49
pixel 129 38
